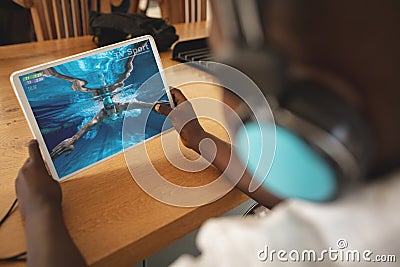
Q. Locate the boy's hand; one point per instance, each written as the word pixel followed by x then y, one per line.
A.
pixel 184 120
pixel 36 190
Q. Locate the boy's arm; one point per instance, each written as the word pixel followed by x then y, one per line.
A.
pixel 235 167
pixel 192 134
pixel 48 240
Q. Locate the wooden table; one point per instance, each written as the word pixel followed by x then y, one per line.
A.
pixel 112 221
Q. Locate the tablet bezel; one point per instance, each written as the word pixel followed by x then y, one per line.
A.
pixel 28 113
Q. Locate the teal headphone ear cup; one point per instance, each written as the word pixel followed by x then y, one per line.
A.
pixel 297 171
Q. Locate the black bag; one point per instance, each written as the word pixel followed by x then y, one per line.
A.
pixel 115 27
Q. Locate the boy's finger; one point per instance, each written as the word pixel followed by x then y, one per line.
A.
pixel 34 152
pixel 162 109
pixel 178 96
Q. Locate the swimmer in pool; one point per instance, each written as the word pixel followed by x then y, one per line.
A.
pixel 111 109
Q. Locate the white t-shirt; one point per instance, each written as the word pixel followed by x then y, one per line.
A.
pixel 364 225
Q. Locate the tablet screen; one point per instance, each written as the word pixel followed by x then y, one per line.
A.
pixel 79 105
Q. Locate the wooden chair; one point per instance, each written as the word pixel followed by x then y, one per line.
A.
pixel 179 11
pixel 56 19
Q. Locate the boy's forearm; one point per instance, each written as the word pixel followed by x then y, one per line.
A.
pixel 228 162
pixel 48 241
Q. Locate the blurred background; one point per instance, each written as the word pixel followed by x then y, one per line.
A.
pixel 36 20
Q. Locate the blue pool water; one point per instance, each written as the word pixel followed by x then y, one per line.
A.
pixel 60 111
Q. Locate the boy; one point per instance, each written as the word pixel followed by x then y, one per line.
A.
pixel 355 40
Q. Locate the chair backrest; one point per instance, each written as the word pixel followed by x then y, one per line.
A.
pixel 179 11
pixel 56 19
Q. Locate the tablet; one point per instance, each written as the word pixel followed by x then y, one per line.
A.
pixel 76 106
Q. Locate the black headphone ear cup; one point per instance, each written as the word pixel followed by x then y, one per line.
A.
pixel 325 110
